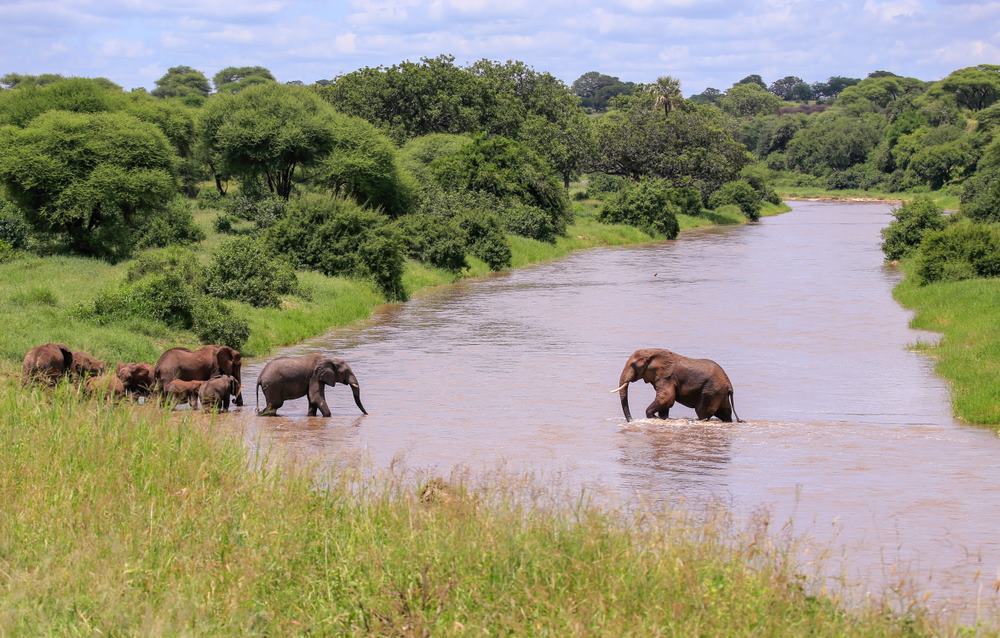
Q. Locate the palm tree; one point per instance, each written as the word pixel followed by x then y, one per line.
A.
pixel 667 92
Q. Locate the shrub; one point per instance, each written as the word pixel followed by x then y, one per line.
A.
pixel 759 178
pixel 213 322
pixel 336 236
pixel 740 193
pixel 904 234
pixel 175 225
pixel 174 259
pixel 645 204
pixel 981 196
pixel 209 198
pixel 485 238
pixel 599 185
pixel 224 223
pixel 13 228
pixel 7 251
pixel 245 270
pixel 687 199
pixel 264 210
pixel 434 239
pixel 960 251
pixel 862 176
pixel 528 221
pixel 166 297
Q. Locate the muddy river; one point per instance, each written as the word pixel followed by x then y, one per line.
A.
pixel 849 434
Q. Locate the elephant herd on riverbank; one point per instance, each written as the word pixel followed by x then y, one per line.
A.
pixel 211 377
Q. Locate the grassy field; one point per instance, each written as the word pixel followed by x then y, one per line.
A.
pixel 131 521
pixel 968 355
pixel 40 298
pixel 946 200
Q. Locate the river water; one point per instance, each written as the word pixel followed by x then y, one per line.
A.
pixel 849 434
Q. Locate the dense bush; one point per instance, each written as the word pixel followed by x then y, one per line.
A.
pixel 336 236
pixel 175 225
pixel 687 199
pixel 176 260
pixel 834 141
pixel 263 209
pixel 95 180
pixel 935 166
pixel 485 238
pixel 527 221
pixel 418 156
pixel 863 176
pixel 13 228
pixel 912 221
pixel 209 198
pixel 645 204
pixel 740 193
pixel 434 239
pixel 7 252
pixel 981 196
pixel 960 251
pixel 214 322
pixel 245 270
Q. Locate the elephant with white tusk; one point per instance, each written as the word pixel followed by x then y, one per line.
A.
pixel 287 378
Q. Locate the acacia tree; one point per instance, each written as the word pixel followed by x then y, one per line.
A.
pixel 94 178
pixel 268 131
pixel 183 82
pixel 974 87
pixel 234 79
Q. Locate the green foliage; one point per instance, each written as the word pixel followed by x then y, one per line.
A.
pixel 213 322
pixel 974 87
pixel 246 270
pixel 95 179
pixel 981 196
pixel 600 185
pixel 234 79
pixel 738 193
pixel 336 236
pixel 263 210
pixel 646 204
pixel 911 222
pixel 180 261
pixel 13 228
pixel 860 176
pixel 759 178
pixel 748 99
pixel 528 221
pixel 485 238
pixel 420 154
pixel 942 164
pixel 507 170
pixel 363 164
pixel 434 239
pixel 7 251
pixel 209 198
pixel 268 132
pixel 834 141
pixel 595 90
pixel 190 85
pixel 79 95
pixel 174 225
pixel 880 92
pixel 963 250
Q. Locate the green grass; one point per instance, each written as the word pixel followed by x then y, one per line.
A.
pixel 968 355
pixel 131 521
pixel 39 296
pixel 946 200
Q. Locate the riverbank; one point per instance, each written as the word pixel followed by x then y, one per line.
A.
pixel 40 297
pixel 135 521
pixel 946 200
pixel 967 314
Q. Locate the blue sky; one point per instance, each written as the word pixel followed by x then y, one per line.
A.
pixel 703 42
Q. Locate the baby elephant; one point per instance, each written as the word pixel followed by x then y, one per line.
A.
pixel 215 393
pixel 184 392
pixel 107 385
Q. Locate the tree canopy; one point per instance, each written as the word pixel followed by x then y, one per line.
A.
pixel 183 82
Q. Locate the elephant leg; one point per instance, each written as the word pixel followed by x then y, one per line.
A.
pixel 272 408
pixel 708 406
pixel 312 409
pixel 661 404
pixel 725 413
pixel 317 401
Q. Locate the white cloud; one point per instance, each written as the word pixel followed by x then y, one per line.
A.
pixel 889 10
pixel 122 48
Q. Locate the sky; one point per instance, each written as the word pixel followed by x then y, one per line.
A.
pixel 702 42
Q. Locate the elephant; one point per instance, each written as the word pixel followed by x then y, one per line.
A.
pixel 214 393
pixel 137 378
pixel 701 384
pixel 86 365
pixel 287 378
pixel 184 392
pixel 109 385
pixel 198 365
pixel 46 363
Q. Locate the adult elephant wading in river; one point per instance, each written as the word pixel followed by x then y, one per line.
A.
pixel 701 384
pixel 198 365
pixel 287 378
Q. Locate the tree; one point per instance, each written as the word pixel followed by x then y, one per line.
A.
pixel 19 106
pixel 749 99
pixel 974 87
pixel 94 178
pixel 783 87
pixel 911 221
pixel 183 82
pixel 881 91
pixel 833 141
pixel 666 92
pixel 268 131
pixel 234 79
pixel 14 80
pixel 832 87
pixel 645 204
pixel 708 96
pixel 595 90
pixel 752 79
pixel 801 92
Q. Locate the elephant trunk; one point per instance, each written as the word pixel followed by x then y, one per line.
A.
pixel 623 381
pixel 356 389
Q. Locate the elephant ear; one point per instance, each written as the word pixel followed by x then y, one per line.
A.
pixel 67 356
pixel 223 361
pixel 124 372
pixel 321 365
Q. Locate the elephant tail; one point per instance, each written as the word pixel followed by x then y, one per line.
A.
pixel 256 396
pixel 732 404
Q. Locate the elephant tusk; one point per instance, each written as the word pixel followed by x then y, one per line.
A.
pixel 619 388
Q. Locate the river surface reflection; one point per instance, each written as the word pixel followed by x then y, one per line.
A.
pixel 849 433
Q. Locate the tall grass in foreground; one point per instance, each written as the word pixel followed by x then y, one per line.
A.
pixel 131 521
pixel 968 355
